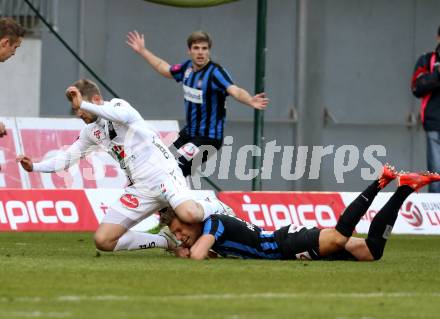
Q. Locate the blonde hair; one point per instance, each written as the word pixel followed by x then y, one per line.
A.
pixel 87 88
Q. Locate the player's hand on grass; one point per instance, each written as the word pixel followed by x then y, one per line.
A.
pixel 136 41
pixel 182 252
pixel 3 131
pixel 25 162
pixel 74 96
pixel 260 101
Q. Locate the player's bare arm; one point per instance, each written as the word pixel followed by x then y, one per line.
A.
pixel 136 41
pixel 258 101
pixel 25 162
pixel 201 247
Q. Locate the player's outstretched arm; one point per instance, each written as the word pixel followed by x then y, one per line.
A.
pixel 62 161
pixel 258 101
pixel 201 247
pixel 136 41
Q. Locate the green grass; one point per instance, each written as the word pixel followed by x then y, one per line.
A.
pixel 58 275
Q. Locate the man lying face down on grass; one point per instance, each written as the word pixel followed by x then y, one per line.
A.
pixel 228 235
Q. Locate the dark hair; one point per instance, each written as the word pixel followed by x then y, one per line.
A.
pixel 87 88
pixel 11 29
pixel 438 31
pixel 198 36
pixel 166 216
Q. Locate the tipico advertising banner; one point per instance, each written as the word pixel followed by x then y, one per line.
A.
pixel 64 209
pixel 419 214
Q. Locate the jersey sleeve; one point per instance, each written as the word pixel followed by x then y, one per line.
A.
pixel 66 158
pixel 221 79
pixel 423 80
pixel 116 110
pixel 178 70
pixel 213 226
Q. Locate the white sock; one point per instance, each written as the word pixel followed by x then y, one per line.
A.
pixel 212 206
pixel 132 240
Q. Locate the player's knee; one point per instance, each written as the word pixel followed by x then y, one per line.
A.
pixel 190 212
pixel 103 242
pixel 376 248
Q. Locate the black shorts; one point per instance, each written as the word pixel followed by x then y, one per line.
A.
pixel 196 140
pixel 298 242
pixel 184 138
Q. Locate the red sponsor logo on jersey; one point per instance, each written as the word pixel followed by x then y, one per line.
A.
pixel 129 201
pixel 412 214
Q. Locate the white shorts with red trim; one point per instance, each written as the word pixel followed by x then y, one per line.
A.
pixel 138 203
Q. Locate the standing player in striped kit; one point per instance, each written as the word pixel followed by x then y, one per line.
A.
pixel 206 85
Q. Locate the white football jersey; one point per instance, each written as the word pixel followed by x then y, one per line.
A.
pixel 122 132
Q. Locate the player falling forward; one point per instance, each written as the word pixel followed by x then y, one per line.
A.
pixel 155 180
pixel 230 236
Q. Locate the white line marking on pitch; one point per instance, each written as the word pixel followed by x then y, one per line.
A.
pixel 268 295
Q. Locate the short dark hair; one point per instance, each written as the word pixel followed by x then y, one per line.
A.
pixel 87 88
pixel 11 29
pixel 198 36
pixel 166 216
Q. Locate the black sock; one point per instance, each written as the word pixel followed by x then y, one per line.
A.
pixel 184 165
pixel 354 212
pixel 383 222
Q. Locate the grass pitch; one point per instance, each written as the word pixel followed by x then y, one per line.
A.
pixel 58 275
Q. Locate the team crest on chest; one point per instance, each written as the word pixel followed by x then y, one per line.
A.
pixel 199 84
pixel 187 73
pixel 97 134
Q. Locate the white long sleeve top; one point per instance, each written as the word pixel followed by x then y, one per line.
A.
pixel 122 132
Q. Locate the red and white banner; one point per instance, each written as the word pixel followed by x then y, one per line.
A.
pixel 82 210
pixel 41 138
pixel 274 210
pixel 63 210
pixel 419 214
pixel 51 210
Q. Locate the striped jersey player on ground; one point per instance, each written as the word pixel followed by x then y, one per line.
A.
pixel 230 236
